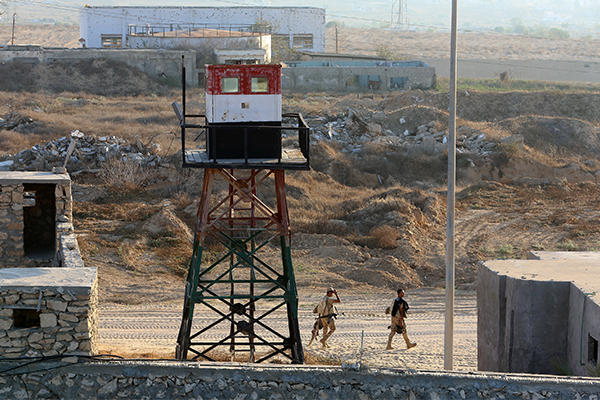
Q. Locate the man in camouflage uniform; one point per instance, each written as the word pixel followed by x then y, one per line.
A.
pixel 327 313
pixel 398 310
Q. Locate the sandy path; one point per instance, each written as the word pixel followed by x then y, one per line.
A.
pixel 152 329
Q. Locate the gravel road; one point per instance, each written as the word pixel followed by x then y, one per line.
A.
pixel 152 329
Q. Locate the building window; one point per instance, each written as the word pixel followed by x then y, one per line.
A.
pixel 230 85
pixel 398 82
pixel 302 42
pixel 112 41
pixel 26 318
pixel 592 350
pixel 260 84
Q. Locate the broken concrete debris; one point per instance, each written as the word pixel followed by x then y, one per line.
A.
pixel 354 128
pixel 13 120
pixel 89 153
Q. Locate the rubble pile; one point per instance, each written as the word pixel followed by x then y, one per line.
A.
pixel 13 120
pixel 89 152
pixel 354 129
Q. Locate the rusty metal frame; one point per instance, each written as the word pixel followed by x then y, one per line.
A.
pixel 243 225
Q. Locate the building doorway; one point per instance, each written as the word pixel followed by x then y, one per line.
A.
pixel 39 220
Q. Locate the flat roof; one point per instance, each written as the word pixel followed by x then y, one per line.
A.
pixel 74 279
pixel 579 268
pixel 15 177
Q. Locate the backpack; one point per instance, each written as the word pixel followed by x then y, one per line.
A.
pixel 320 307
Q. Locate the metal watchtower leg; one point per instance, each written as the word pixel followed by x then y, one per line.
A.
pixel 240 296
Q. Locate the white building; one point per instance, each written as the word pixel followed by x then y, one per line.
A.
pixel 111 27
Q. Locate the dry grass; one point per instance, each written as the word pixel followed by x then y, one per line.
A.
pixel 119 176
pixel 150 117
pixel 132 353
pixel 385 237
pixel 181 200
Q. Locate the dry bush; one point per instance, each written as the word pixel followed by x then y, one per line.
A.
pixel 119 175
pixel 181 200
pixel 385 237
pixel 130 255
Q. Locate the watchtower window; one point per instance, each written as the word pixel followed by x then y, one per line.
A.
pixel 26 318
pixel 592 350
pixel 230 85
pixel 260 84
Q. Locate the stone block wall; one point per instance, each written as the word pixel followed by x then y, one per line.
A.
pixel 15 232
pixel 64 202
pixel 68 322
pixel 62 379
pixel 11 223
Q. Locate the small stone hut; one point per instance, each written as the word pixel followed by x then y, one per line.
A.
pixel 48 298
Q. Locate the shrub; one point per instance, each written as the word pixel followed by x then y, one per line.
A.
pixel 120 175
pixel 385 237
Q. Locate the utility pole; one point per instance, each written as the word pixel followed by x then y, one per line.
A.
pixel 450 216
pixel 337 49
pixel 12 40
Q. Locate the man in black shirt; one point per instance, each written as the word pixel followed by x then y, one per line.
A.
pixel 398 311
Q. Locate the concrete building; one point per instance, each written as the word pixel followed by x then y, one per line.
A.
pixel 110 27
pixel 357 75
pixel 535 315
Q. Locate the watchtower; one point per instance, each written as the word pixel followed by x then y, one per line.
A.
pixel 238 292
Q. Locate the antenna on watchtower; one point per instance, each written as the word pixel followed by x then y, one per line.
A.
pixel 399 15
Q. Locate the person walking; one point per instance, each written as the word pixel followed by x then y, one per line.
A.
pixel 398 310
pixel 327 313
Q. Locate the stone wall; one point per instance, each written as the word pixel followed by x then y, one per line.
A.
pixel 68 322
pixel 11 223
pixel 22 223
pixel 170 380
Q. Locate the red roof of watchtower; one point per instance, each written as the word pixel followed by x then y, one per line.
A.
pixel 214 75
pixel 243 124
